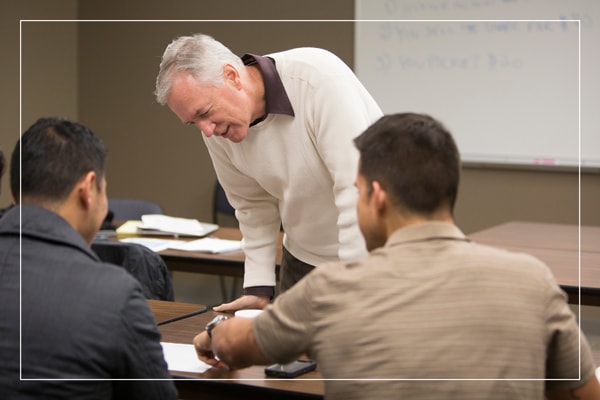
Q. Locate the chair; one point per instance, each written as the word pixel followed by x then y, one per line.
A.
pixel 125 209
pixel 142 263
pixel 221 206
pixel 220 203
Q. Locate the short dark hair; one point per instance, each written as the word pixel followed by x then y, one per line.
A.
pixel 2 162
pixel 414 158
pixel 51 156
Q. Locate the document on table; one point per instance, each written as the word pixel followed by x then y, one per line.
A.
pixel 152 243
pixel 209 245
pixel 182 357
pixel 206 245
pixel 163 224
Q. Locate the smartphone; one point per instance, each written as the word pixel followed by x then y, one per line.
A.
pixel 290 370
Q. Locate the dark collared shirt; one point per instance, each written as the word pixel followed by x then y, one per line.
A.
pixel 277 101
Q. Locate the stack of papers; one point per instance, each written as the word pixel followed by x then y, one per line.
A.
pixel 173 225
pixel 158 224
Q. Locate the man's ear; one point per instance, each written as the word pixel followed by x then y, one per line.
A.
pixel 379 196
pixel 232 75
pixel 86 188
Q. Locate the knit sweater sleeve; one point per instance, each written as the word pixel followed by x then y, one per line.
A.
pixel 257 213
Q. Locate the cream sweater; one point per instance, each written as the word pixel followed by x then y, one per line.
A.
pixel 299 170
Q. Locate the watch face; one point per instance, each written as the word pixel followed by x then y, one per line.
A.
pixel 215 321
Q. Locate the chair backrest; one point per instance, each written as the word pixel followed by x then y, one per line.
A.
pixel 142 263
pixel 220 203
pixel 124 209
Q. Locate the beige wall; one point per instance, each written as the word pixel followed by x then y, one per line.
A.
pixel 109 87
pixel 49 68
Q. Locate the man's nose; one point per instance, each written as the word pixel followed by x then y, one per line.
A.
pixel 206 127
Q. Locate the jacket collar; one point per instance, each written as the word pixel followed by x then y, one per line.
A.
pixel 277 100
pixel 42 224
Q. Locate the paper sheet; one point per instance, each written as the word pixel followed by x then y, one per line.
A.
pixel 182 358
pixel 209 245
pixel 151 243
pixel 206 245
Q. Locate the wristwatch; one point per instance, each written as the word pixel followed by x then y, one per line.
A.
pixel 215 321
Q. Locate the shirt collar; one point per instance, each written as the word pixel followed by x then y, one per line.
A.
pixel 277 100
pixel 426 232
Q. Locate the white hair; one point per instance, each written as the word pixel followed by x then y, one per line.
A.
pixel 200 55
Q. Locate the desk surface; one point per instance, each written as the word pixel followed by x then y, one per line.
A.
pixel 558 246
pixel 543 236
pixel 253 378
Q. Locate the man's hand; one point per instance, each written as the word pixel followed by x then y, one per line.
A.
pixel 244 302
pixel 232 345
pixel 203 346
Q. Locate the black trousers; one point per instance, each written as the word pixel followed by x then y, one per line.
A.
pixel 291 270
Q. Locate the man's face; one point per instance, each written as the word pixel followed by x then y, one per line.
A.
pixel 369 218
pixel 216 110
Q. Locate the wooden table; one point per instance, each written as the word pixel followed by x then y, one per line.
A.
pixel 248 383
pixel 566 249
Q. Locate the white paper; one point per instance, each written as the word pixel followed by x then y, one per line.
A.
pixel 151 243
pixel 209 245
pixel 174 225
pixel 183 358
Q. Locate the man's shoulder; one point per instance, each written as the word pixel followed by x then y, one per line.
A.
pixel 306 59
pixel 76 265
pixel 303 53
pixel 328 273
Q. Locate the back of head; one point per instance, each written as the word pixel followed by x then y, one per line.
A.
pixel 2 162
pixel 200 55
pixel 414 158
pixel 2 165
pixel 50 157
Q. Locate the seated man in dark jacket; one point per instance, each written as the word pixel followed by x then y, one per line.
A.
pixel 82 323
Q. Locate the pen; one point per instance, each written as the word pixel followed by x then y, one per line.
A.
pixel 191 314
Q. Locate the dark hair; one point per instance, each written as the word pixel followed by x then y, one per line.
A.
pixel 2 162
pixel 51 156
pixel 414 158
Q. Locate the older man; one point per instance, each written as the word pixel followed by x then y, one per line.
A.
pixel 279 130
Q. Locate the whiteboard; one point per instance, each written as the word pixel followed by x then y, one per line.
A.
pixel 515 81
